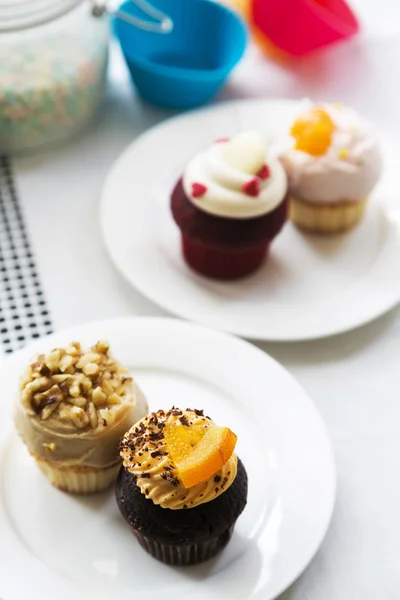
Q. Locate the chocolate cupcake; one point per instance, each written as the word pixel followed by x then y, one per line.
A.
pixel 73 409
pixel 181 487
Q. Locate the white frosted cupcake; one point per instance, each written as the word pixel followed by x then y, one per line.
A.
pixel 73 409
pixel 229 205
pixel 333 162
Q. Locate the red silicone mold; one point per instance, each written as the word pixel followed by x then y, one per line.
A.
pixel 299 27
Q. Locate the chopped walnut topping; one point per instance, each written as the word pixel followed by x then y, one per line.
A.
pixel 98 396
pixel 65 363
pixel 92 414
pixel 80 401
pixel 90 369
pixel 82 388
pixel 114 399
pixel 79 417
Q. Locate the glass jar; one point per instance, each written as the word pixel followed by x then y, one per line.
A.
pixel 53 61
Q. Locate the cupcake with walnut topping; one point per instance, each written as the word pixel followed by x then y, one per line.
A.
pixel 181 487
pixel 73 409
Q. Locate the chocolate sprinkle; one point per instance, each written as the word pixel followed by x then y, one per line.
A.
pixel 176 413
pixel 156 453
pixel 148 437
pixel 156 436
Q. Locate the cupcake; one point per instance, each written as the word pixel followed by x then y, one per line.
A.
pixel 181 487
pixel 229 205
pixel 333 162
pixel 73 409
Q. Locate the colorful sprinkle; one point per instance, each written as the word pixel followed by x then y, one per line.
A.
pixel 264 172
pixel 343 153
pixel 222 140
pixel 198 190
pixel 50 86
pixel 252 187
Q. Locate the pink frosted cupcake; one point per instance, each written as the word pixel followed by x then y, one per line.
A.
pixel 333 162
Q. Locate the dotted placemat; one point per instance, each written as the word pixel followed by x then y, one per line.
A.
pixel 24 314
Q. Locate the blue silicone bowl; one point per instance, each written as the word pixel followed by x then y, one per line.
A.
pixel 186 67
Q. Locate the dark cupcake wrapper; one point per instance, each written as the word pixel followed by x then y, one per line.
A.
pixel 181 555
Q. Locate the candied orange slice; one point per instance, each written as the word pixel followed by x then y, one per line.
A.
pixel 199 451
pixel 181 440
pixel 313 132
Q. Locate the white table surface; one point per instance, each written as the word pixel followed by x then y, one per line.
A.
pixel 354 378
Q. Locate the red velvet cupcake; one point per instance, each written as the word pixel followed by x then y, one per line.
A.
pixel 229 205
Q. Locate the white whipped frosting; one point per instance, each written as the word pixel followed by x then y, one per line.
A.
pixel 347 172
pixel 225 168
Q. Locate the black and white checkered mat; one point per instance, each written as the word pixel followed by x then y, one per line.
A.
pixel 23 309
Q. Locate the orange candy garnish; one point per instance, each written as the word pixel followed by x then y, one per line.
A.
pixel 313 132
pixel 198 451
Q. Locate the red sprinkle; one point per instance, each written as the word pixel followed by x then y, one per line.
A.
pixel 222 140
pixel 198 190
pixel 264 172
pixel 252 187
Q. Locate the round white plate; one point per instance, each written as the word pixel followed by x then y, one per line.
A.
pixel 310 287
pixel 56 545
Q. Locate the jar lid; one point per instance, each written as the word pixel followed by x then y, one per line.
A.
pixel 20 14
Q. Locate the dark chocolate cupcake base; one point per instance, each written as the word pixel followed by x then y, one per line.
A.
pixel 186 536
pixel 184 555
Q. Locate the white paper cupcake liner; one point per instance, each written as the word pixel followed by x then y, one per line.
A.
pixel 326 217
pixel 75 481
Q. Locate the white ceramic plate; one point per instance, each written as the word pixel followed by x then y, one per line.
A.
pixel 310 287
pixel 55 545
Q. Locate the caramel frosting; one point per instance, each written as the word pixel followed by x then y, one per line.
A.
pixel 75 406
pixel 145 455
